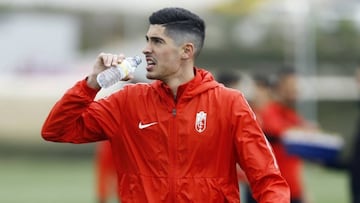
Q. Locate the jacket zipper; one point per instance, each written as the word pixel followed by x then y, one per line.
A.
pixel 172 157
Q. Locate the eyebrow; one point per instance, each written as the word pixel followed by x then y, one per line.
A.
pixel 154 38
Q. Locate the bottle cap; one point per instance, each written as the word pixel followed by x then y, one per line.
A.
pixel 137 60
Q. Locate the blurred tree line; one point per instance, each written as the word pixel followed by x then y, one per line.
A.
pixel 335 47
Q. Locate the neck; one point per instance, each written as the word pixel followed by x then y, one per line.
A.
pixel 290 104
pixel 182 77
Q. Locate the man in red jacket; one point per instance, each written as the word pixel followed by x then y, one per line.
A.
pixel 179 138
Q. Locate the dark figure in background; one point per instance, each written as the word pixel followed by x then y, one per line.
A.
pixel 355 160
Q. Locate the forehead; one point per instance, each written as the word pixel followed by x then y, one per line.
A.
pixel 156 31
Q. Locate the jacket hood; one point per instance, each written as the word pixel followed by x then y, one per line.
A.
pixel 202 82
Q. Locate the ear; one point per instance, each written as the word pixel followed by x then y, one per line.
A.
pixel 188 51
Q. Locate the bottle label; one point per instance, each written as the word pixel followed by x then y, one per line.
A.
pixel 124 68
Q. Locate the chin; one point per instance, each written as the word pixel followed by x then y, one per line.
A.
pixel 150 76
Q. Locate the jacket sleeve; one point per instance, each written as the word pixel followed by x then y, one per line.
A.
pixel 70 120
pixel 256 157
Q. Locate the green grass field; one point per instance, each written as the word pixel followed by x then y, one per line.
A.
pixel 325 185
pixel 44 180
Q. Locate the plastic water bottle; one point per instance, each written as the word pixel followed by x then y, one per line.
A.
pixel 113 74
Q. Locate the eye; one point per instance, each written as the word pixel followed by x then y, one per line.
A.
pixel 157 41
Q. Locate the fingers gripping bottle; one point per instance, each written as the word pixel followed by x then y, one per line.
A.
pixel 113 75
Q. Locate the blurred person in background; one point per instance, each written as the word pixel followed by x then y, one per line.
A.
pixel 261 96
pixel 279 116
pixel 179 138
pixel 355 160
pixel 105 173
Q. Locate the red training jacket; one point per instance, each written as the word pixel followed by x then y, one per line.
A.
pixel 168 150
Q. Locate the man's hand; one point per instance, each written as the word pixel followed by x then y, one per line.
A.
pixel 103 62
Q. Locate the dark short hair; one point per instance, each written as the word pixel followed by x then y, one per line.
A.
pixel 228 77
pixel 262 80
pixel 281 74
pixel 181 25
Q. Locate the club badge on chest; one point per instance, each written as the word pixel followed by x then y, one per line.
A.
pixel 200 121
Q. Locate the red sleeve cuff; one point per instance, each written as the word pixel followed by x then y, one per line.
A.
pixel 89 91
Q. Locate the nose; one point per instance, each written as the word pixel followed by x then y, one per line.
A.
pixel 147 49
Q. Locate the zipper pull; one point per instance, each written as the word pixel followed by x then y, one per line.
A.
pixel 173 112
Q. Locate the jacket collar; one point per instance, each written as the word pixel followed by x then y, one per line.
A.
pixel 202 82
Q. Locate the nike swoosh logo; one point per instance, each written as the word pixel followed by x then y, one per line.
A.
pixel 142 126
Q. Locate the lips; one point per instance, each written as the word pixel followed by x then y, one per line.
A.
pixel 150 63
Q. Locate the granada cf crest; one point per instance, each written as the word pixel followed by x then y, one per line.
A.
pixel 200 122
